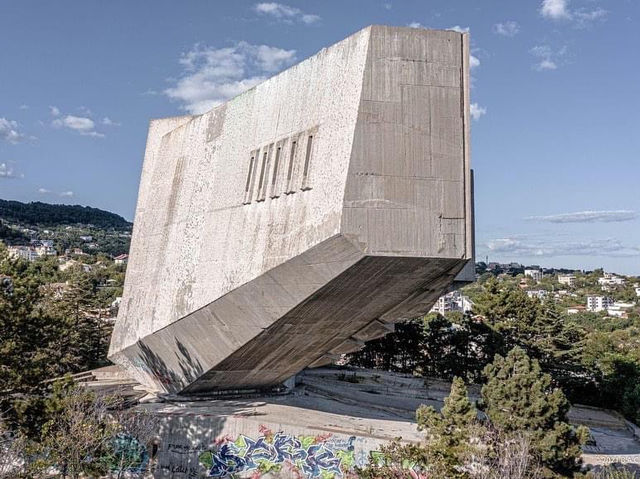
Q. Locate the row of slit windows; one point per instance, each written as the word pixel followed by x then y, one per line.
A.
pixel 275 169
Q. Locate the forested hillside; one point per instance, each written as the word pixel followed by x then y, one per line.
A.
pixel 44 214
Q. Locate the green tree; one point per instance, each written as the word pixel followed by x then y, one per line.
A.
pixel 79 432
pixel 446 448
pixel 518 396
pixel 621 384
pixel 400 351
pixel 449 432
pixel 542 331
pixel 38 341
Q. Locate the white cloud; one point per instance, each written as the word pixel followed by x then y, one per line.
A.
pixel 459 29
pixel 477 111
pixel 416 25
pixel 272 59
pixel 547 58
pixel 584 18
pixel 603 216
pixel 109 122
pixel 94 134
pixel 541 51
pixel 80 124
pixel 62 194
pixel 559 10
pixel 23 107
pixel 533 247
pixel 507 29
pixel 9 131
pixel 555 9
pixel 545 64
pixel 54 111
pixel 285 13
pixel 213 75
pixel 388 6
pixel 7 171
pixel 473 61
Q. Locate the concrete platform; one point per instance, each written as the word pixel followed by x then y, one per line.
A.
pixel 331 420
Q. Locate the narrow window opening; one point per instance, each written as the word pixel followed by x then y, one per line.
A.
pixel 264 163
pixel 246 188
pixel 264 173
pixel 307 161
pixel 274 193
pixel 290 171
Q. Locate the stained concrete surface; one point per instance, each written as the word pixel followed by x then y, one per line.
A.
pixel 359 407
pixel 301 218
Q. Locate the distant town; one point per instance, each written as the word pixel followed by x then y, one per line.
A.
pixel 574 291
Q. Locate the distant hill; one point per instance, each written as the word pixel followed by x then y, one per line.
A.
pixel 44 214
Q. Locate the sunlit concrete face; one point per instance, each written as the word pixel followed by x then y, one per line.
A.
pixel 302 218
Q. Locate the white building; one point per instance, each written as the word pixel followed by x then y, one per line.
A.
pixel 537 293
pixel 453 301
pixel 619 309
pixel 568 279
pixel 598 303
pixel 122 259
pixel 576 309
pixel 611 280
pixel 116 302
pixel 46 250
pixel 25 252
pixel 535 274
pixel 42 242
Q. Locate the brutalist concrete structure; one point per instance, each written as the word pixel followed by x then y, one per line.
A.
pixel 302 218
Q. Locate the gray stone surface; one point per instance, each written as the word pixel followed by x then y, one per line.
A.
pixel 301 218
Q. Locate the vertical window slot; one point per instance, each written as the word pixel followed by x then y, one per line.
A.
pixel 307 161
pixel 247 193
pixel 274 178
pixel 261 180
pixel 292 157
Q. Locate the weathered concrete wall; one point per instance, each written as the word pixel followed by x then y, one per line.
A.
pixel 194 239
pixel 332 420
pixel 196 444
pixel 262 226
pixel 405 194
pixel 323 429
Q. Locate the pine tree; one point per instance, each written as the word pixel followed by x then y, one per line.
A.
pixel 449 432
pixel 518 396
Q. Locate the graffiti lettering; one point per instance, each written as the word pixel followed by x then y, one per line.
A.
pixel 313 456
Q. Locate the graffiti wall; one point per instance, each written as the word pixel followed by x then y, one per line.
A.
pixel 312 456
pixel 267 453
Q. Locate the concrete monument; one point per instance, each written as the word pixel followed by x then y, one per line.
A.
pixel 302 218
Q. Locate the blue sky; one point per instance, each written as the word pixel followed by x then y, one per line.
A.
pixel 556 94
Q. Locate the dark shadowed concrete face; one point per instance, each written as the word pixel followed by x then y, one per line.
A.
pixel 301 218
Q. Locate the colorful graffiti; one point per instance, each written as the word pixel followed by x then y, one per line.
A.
pixel 127 455
pixel 311 456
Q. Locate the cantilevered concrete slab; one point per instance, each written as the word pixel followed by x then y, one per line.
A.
pixel 303 217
